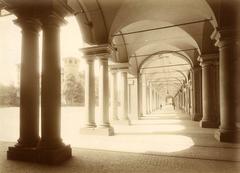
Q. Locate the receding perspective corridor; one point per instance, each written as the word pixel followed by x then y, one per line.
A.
pixel 165 141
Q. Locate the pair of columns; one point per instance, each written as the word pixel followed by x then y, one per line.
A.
pixel 49 147
pixel 122 116
pixel 102 53
pixel 229 63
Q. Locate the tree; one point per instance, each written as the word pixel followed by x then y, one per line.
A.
pixel 9 96
pixel 73 91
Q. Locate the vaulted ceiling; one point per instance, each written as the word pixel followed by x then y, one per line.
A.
pixel 144 31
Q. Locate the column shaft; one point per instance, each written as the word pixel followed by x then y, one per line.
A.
pixel 210 93
pixel 124 96
pixel 197 93
pixel 144 95
pixel 90 94
pixel 103 93
pixel 114 96
pixel 150 99
pixel 229 91
pixel 29 83
pixel 51 84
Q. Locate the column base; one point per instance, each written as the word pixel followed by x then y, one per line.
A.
pixel 105 131
pixel 87 130
pixel 22 154
pixel 208 124
pixel 196 117
pixel 40 155
pixel 123 122
pixel 54 155
pixel 227 136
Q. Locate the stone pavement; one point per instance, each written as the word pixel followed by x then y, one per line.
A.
pixel 165 141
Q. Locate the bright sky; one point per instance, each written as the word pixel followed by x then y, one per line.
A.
pixel 10 45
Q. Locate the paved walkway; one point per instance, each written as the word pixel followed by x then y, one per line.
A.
pixel 165 141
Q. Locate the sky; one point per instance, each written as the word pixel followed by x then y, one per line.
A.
pixel 10 46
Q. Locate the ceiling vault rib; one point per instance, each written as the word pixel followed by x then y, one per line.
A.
pixel 125 44
pixel 162 66
pixel 101 11
pixel 164 27
pixel 174 51
pixel 164 72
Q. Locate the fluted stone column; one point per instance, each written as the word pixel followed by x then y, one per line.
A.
pixel 89 93
pixel 210 91
pixel 124 97
pixel 229 50
pixel 51 148
pixel 197 93
pixel 29 91
pixel 114 95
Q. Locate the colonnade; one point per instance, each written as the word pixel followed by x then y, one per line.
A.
pixel 150 98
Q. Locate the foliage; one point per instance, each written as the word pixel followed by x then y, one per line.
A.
pixel 73 91
pixel 9 95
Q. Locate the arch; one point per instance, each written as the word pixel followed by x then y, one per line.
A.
pixel 180 72
pixel 203 11
pixel 187 59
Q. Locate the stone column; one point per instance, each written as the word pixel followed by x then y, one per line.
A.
pixel 229 48
pixel 140 97
pixel 150 98
pixel 90 93
pixel 114 96
pixel 29 90
pixel 210 91
pixel 144 95
pixel 197 93
pixel 29 83
pixel 147 98
pixel 156 100
pixel 51 148
pixel 104 124
pixel 153 100
pixel 124 97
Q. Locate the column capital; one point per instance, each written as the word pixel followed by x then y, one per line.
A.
pixel 100 51
pixel 52 20
pixel 113 71
pixel 225 36
pixel 208 59
pixel 28 24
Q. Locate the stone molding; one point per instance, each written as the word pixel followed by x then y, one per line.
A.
pixel 97 51
pixel 225 36
pixel 209 59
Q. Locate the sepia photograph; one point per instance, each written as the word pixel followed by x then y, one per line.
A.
pixel 119 86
